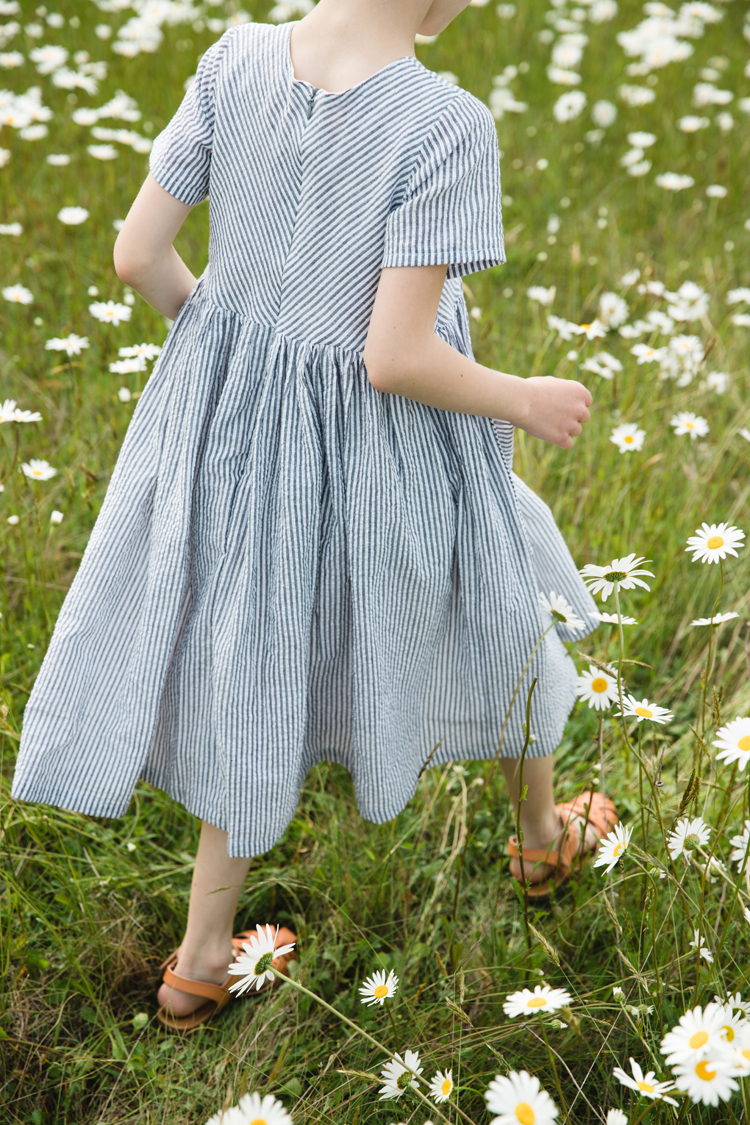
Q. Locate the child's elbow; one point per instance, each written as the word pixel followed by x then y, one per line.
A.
pixel 387 373
pixel 129 262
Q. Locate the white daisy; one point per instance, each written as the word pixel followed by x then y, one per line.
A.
pixel 686 835
pixel 714 541
pixel 616 1117
pixel 644 1084
pixel 399 1074
pixel 627 437
pixel 58 159
pixel 254 965
pixel 38 470
pixel 70 344
pixel 441 1086
pixel 707 1081
pixel 253 1110
pixel 699 943
pixel 9 412
pixel 673 181
pixel 145 351
pixel 597 688
pixel 733 741
pixel 612 618
pixel 642 709
pixel 379 987
pixel 18 294
pixel 519 1098
pixel 72 216
pixel 742 1050
pixel 541 294
pixel 127 366
pixel 741 845
pixel 542 999
pixel 124 394
pixel 688 423
pixel 594 331
pixel 624 572
pixel 719 619
pixel 696 1036
pixel 734 1025
pixel 614 847
pixel 559 609
pixel 110 312
pixel 102 152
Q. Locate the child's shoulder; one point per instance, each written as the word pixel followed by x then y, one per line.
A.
pixel 456 110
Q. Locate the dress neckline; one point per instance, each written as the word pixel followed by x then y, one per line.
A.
pixel 320 92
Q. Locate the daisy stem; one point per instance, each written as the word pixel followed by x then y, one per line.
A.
pixel 435 1112
pixel 616 592
pixel 393 1022
pixel 710 647
pixel 742 868
pixel 553 1064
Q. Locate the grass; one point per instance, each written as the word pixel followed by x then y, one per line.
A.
pixel 90 907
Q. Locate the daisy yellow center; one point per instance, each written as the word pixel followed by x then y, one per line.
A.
pixel 616 575
pixel 689 425
pixel 715 542
pixel 746 1054
pixel 525 1114
pixel 446 1087
pixel 698 1039
pixel 744 743
pixel 729 1032
pixel 263 964
pixel 380 991
pixel 703 1070
pixel 628 437
pixel 599 684
pixel 259 1121
pixel 584 326
pixel 537 1002
pixel 619 848
pixel 646 1087
pixel 644 712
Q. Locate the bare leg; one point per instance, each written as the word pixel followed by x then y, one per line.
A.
pixel 540 821
pixel 206 949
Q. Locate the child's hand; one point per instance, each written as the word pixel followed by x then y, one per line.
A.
pixel 557 410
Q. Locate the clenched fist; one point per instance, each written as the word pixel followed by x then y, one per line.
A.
pixel 556 410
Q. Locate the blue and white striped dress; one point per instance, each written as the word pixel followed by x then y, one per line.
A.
pixel 290 566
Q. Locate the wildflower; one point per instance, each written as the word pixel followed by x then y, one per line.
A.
pixel 686 835
pixel 603 113
pixel 690 302
pixel 747 914
pixel 645 710
pixel 613 847
pixel 13 520
pixel 542 999
pixel 645 1084
pixel 253 1110
pixel 441 1086
pixel 540 294
pixel 717 619
pixel 688 423
pixel 692 123
pixel 11 228
pixel 127 366
pixel 18 294
pixel 613 310
pixel 644 353
pixel 641 140
pixel 696 1036
pixel 715 869
pixel 519 1098
pixel 613 619
pixel 594 331
pixel 707 1081
pixel 738 296
pixel 560 610
pixel 569 106
pixel 741 320
pixel 631 277
pixel 399 1074
pixel 699 943
pixel 733 740
pixel 742 1051
pixel 733 1025
pixel 73 216
pixel 379 987
pixel 254 965
pixel 110 312
pixel 671 181
pixel 714 541
pixel 627 437
pixel 565 329
pixel 38 470
pixel 55 516
pixel 616 1117
pixel 717 381
pixel 716 191
pixel 624 572
pixel 58 159
pixel 618 992
pixel 636 95
pixel 124 394
pixel 70 344
pixel 741 845
pixel 597 688
pixel 9 412
pixel 102 152
pixel 144 351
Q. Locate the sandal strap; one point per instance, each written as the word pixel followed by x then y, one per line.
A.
pixel 219 993
pixel 600 812
pixel 562 857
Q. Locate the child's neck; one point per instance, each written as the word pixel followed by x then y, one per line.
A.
pixel 342 42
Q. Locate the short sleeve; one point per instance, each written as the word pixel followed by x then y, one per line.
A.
pixel 451 210
pixel 181 155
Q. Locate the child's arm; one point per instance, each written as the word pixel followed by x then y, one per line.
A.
pixel 144 255
pixel 404 356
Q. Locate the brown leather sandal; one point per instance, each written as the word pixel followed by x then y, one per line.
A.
pixel 597 811
pixel 217 995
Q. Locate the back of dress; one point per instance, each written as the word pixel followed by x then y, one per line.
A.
pixel 312 193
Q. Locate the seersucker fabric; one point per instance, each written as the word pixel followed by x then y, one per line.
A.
pixel 289 566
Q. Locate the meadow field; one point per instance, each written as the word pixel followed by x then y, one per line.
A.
pixel 625 134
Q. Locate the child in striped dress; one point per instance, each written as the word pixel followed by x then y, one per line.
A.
pixel 313 546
